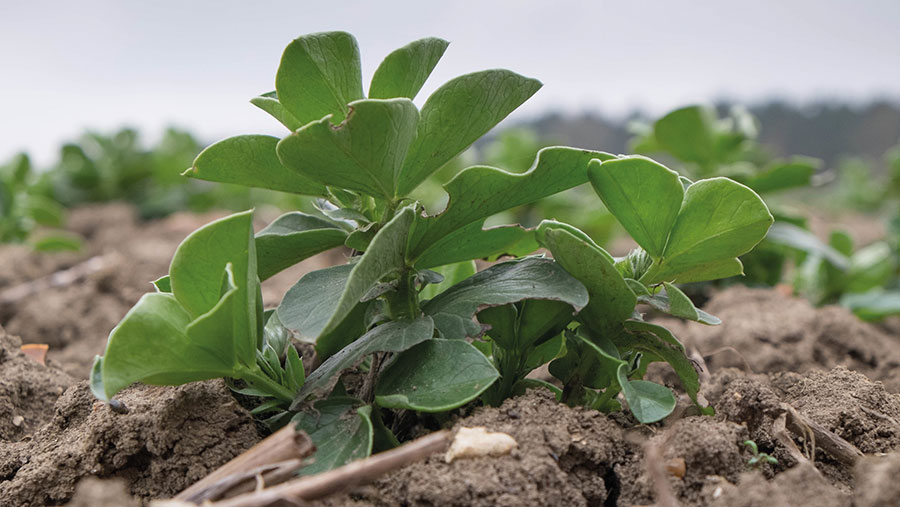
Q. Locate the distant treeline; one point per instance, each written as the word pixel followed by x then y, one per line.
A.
pixel 827 130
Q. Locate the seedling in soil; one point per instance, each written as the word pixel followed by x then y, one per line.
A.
pixel 402 310
pixel 758 458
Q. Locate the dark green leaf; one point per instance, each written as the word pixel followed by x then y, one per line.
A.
pixel 293 237
pixel 502 322
pixel 395 336
pixel 308 305
pixel 473 242
pixel 500 284
pixel 457 114
pixel 319 75
pixel 403 72
pixel 341 430
pixel 250 161
pixel 435 376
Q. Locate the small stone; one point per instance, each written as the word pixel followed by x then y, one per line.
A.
pixel 478 441
pixel 18 420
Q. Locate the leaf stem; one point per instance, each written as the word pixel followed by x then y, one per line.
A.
pixel 262 382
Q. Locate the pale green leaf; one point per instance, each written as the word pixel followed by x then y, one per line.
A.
pixel 457 114
pixel 251 161
pixel 403 72
pixel 341 430
pixel 269 103
pixel 644 196
pixel 319 75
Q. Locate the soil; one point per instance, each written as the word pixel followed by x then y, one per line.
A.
pixel 57 442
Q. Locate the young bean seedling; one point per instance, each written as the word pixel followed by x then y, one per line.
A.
pixel 402 311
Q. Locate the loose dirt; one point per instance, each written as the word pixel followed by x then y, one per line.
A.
pixel 841 373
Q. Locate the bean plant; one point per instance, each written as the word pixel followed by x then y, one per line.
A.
pixel 409 313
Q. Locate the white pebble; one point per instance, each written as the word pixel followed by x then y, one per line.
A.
pixel 478 441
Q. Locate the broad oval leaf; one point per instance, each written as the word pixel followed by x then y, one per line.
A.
pixel 500 284
pixel 158 342
pixel 195 275
pixel 293 237
pixel 689 134
pixel 319 74
pixel 307 306
pixel 435 376
pixel 643 195
pixel 719 221
pixel 648 401
pixel 457 114
pixel 395 336
pixel 611 300
pixel 364 153
pixel 341 429
pixel 403 72
pixel 473 242
pixel 479 192
pixel 250 161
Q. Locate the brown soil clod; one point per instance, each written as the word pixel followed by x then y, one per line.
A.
pixel 171 438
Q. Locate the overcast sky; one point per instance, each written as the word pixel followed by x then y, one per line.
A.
pixel 66 66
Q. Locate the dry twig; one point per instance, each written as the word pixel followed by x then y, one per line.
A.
pixel 270 460
pixel 346 477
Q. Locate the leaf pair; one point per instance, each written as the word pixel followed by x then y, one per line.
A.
pixel 692 234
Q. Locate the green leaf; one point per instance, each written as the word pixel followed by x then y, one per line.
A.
pixel 251 161
pixel 870 267
pixel 677 304
pixel 792 236
pixel 404 71
pixel 479 192
pixel 611 301
pixel 384 256
pixel 293 369
pixel 541 319
pixel 660 344
pixel 395 336
pixel 500 284
pixel 307 306
pixel 182 351
pixel 546 352
pixel 43 211
pixel 643 195
pixel 58 242
pixel 364 153
pixel 319 75
pixel 162 284
pixel 341 430
pixel 293 237
pixel 435 376
pixel 502 321
pixel 473 242
pixel 781 175
pixel 452 273
pixel 873 305
pixel 689 134
pixel 196 275
pixel 457 114
pixel 648 401
pixel 719 221
pixel 269 103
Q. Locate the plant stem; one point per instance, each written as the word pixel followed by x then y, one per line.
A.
pixel 262 381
